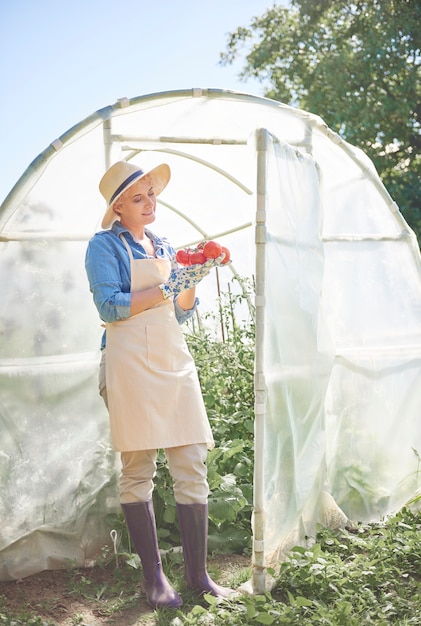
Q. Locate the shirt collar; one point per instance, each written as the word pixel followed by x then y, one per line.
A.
pixel 118 230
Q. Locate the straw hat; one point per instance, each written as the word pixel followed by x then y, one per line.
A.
pixel 121 176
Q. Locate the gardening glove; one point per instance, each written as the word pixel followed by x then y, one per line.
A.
pixel 183 278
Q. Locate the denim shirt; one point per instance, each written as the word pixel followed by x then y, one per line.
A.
pixel 108 268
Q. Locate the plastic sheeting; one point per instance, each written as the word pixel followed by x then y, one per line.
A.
pixel 338 307
pixel 341 351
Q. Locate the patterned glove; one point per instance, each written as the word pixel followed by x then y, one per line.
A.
pixel 183 278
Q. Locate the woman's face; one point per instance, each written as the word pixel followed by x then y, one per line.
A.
pixel 136 207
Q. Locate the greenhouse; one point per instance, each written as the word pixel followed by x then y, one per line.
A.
pixel 337 306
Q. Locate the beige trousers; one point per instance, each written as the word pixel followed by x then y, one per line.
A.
pixel 186 464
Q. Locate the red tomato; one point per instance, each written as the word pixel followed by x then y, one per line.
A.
pixel 227 255
pixel 197 257
pixel 183 257
pixel 211 249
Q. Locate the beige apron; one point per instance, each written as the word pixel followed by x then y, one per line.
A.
pixel 154 395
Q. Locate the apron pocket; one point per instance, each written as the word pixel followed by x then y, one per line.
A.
pixel 167 349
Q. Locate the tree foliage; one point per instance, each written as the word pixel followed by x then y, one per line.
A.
pixel 356 65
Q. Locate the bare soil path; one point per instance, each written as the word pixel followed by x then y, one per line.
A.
pixel 54 597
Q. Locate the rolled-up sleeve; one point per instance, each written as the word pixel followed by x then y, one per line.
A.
pixel 111 296
pixel 182 315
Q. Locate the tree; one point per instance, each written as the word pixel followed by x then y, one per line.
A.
pixel 357 65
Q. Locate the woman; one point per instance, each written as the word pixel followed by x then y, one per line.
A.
pixel 152 390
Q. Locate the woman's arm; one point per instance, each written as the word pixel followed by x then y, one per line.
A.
pixel 145 299
pixel 109 278
pixel 186 299
pixel 108 271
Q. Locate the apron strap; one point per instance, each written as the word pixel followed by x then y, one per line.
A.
pixel 129 250
pixel 161 267
pixel 122 237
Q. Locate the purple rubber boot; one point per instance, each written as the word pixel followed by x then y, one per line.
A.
pixel 140 520
pixel 193 522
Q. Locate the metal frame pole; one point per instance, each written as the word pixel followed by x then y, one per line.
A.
pixel 258 566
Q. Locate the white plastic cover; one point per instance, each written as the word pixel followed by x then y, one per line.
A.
pixel 338 353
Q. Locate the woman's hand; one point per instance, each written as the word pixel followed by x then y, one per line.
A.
pixel 184 278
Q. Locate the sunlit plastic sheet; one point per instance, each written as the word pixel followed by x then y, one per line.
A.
pixel 340 351
pixel 341 357
pixel 56 465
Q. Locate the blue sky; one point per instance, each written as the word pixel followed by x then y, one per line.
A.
pixel 62 60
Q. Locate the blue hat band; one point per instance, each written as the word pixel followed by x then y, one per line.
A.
pixel 125 184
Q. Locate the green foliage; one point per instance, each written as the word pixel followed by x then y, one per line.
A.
pixel 368 575
pixel 226 372
pixel 357 65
